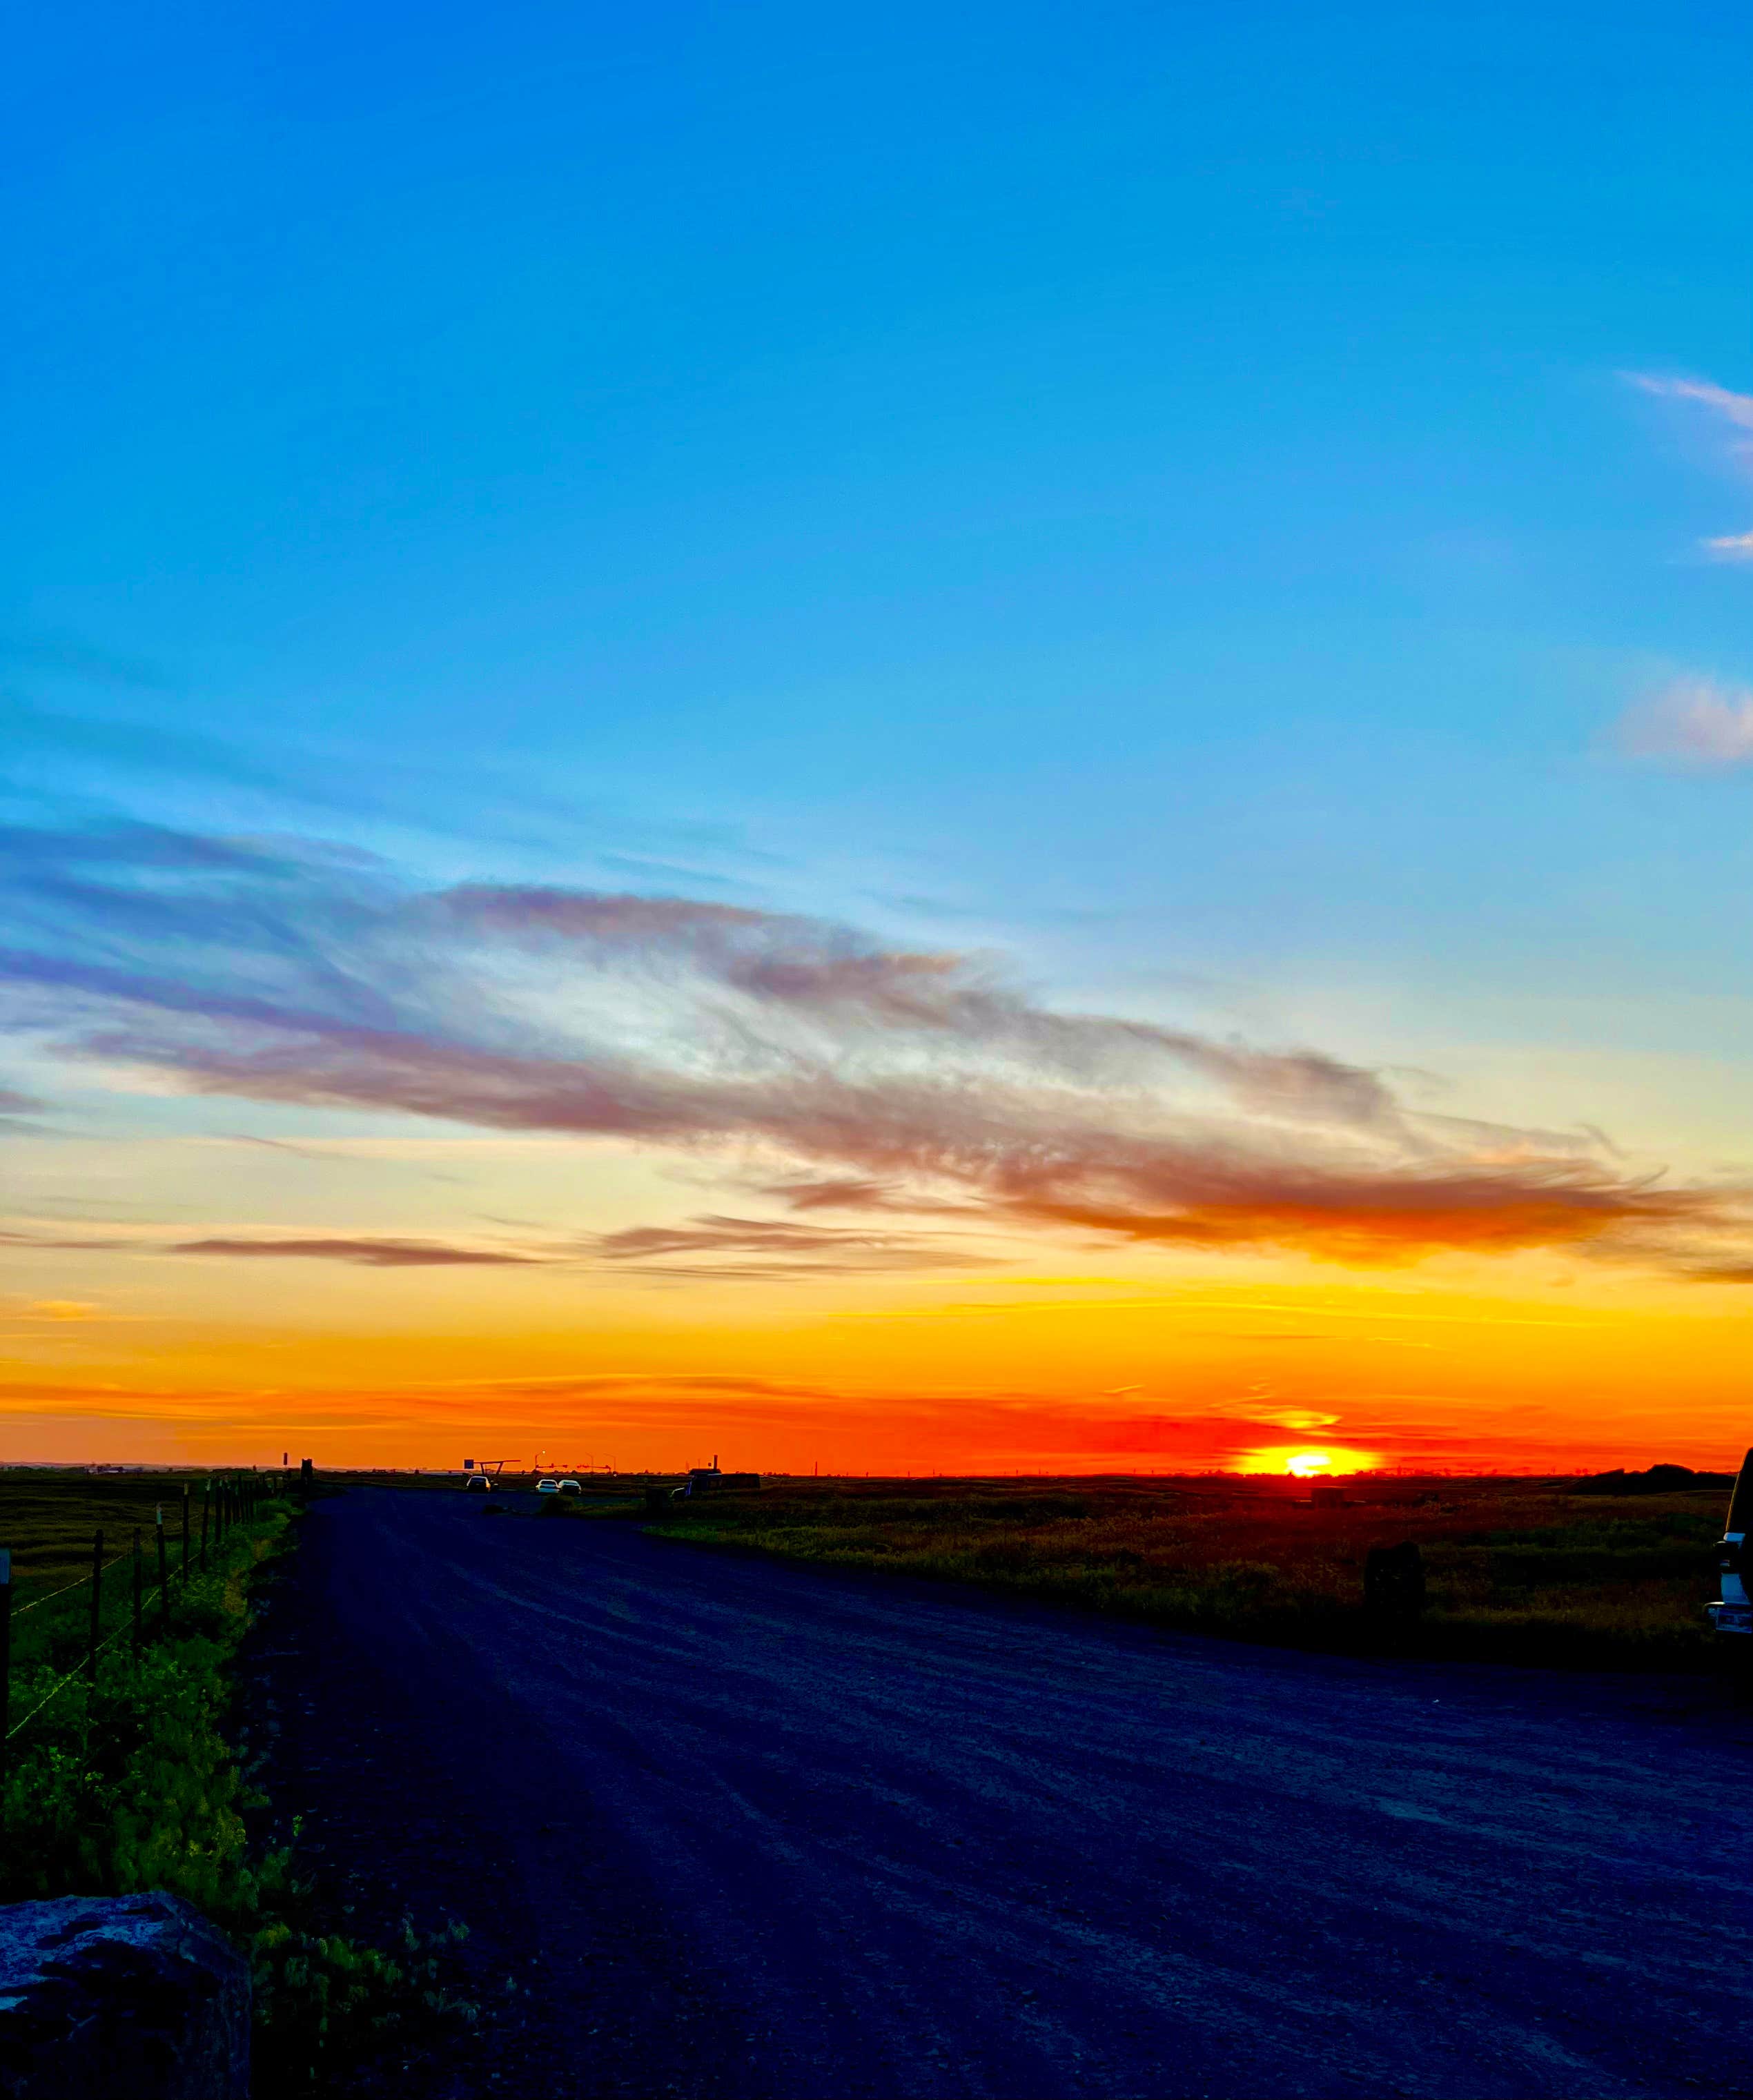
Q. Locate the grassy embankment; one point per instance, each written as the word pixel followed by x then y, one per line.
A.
pixel 129 1783
pixel 1518 1571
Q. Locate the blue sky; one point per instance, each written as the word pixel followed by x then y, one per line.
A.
pixel 736 396
pixel 1162 495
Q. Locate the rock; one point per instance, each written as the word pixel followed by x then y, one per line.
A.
pixel 121 1998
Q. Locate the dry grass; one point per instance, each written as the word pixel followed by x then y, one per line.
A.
pixel 47 1519
pixel 1518 1570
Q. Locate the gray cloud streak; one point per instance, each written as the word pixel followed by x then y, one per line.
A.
pixel 368 1253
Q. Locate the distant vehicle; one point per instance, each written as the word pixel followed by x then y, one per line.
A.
pixel 1733 1613
pixel 569 1488
pixel 547 1487
pixel 477 1483
pixel 709 1480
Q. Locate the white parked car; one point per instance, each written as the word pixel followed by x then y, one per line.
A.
pixel 547 1487
pixel 479 1482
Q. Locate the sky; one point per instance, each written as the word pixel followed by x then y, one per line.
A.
pixel 914 740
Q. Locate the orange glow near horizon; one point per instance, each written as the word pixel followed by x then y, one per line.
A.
pixel 1048 1374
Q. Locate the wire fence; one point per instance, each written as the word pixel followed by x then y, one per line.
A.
pixel 202 1533
pixel 60 1685
pixel 66 1589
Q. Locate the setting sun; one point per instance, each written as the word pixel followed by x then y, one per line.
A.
pixel 1303 1465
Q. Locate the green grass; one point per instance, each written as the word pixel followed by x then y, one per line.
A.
pixel 128 1783
pixel 1516 1571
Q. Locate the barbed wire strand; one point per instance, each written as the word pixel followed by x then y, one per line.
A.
pixel 62 1684
pixel 21 1610
pixel 79 1668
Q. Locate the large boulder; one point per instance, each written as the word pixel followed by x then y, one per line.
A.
pixel 127 1998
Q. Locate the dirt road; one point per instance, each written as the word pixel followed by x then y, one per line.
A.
pixel 737 1829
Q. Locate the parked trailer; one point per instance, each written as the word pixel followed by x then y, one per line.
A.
pixel 1733 1613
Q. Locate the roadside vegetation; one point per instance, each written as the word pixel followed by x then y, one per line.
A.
pixel 125 1780
pixel 1518 1571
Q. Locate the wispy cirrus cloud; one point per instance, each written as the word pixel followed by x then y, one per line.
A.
pixel 1697 721
pixel 1726 407
pixel 698 1248
pixel 369 1253
pixel 799 1053
pixel 1734 408
pixel 370 1250
pixel 780 1247
pixel 776 1247
pixel 17 1110
pixel 730 1384
pixel 30 1236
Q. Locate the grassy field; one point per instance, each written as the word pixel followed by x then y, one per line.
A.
pixel 1516 1570
pixel 49 1520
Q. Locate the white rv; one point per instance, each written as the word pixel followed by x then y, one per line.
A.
pixel 1733 1612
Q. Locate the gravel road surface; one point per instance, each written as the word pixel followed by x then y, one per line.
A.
pixel 739 1828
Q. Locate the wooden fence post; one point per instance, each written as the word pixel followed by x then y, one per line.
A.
pixel 97 1605
pixel 164 1580
pixel 206 1499
pixel 140 1638
pixel 185 1536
